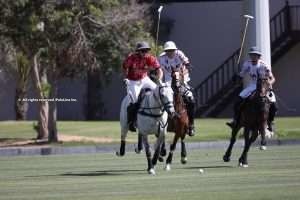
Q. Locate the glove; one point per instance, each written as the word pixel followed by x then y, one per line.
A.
pixel 125 81
pixel 175 115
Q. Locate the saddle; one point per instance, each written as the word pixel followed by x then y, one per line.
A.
pixel 133 108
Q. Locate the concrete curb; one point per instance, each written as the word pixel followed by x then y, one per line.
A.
pixel 54 150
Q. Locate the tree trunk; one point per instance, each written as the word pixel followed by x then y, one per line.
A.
pixel 41 78
pixel 53 136
pixel 23 75
pixel 21 106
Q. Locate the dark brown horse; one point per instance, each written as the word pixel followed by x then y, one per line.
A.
pixel 179 123
pixel 253 118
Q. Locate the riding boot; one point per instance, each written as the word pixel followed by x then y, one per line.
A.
pixel 131 116
pixel 237 112
pixel 191 114
pixel 272 113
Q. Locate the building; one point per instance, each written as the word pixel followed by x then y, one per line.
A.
pixel 209 32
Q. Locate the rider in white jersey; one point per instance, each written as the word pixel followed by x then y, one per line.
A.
pixel 174 59
pixel 251 70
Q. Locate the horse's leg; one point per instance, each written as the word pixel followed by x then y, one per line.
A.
pixel 124 132
pixel 159 142
pixel 183 151
pixel 140 144
pixel 148 154
pixel 263 142
pixel 252 139
pixel 243 160
pixel 124 127
pixel 226 157
pixel 172 149
pixel 163 150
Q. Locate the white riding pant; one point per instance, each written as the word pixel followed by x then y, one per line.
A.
pixel 134 87
pixel 246 92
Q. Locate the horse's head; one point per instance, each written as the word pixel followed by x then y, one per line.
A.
pixel 166 97
pixel 262 88
pixel 177 78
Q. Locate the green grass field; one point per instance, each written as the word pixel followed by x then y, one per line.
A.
pixel 272 175
pixel 207 129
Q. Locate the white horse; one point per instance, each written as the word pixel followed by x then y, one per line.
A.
pixel 151 119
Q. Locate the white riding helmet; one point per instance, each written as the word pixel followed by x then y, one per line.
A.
pixel 170 45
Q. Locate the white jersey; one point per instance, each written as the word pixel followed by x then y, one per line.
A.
pixel 167 64
pixel 250 73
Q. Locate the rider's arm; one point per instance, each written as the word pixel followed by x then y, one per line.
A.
pixel 271 77
pixel 154 65
pixel 244 70
pixel 159 73
pixel 185 60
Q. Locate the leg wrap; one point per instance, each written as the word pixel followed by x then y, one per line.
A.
pixel 190 105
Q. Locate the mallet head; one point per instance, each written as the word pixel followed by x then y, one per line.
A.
pixel 248 16
pixel 160 9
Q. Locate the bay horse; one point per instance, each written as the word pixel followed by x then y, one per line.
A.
pixel 254 117
pixel 180 123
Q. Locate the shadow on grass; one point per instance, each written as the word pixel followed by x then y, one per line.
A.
pixel 108 173
pixel 210 167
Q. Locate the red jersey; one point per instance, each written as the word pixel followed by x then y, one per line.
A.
pixel 137 67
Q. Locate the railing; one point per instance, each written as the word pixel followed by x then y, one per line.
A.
pixel 216 81
pixel 210 90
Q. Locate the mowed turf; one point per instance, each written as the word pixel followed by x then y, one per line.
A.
pixel 207 129
pixel 272 175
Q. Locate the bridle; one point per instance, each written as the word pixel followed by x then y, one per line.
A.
pixel 164 106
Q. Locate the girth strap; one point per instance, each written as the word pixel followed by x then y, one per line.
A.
pixel 142 112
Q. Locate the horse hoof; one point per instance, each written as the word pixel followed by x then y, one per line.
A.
pixel 168 167
pixel 151 171
pixel 163 152
pixel 184 160
pixel 119 154
pixel 138 151
pixel 243 165
pixel 263 147
pixel 160 159
pixel 226 158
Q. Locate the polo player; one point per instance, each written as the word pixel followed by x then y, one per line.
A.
pixel 253 69
pixel 174 59
pixel 135 69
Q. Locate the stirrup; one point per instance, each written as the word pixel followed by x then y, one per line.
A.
pixel 131 127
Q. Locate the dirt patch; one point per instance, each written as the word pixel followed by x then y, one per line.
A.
pixel 13 142
pixel 76 138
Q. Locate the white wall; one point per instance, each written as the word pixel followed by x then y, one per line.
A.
pixel 287 72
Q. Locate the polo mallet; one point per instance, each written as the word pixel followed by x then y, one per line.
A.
pixel 248 17
pixel 157 30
